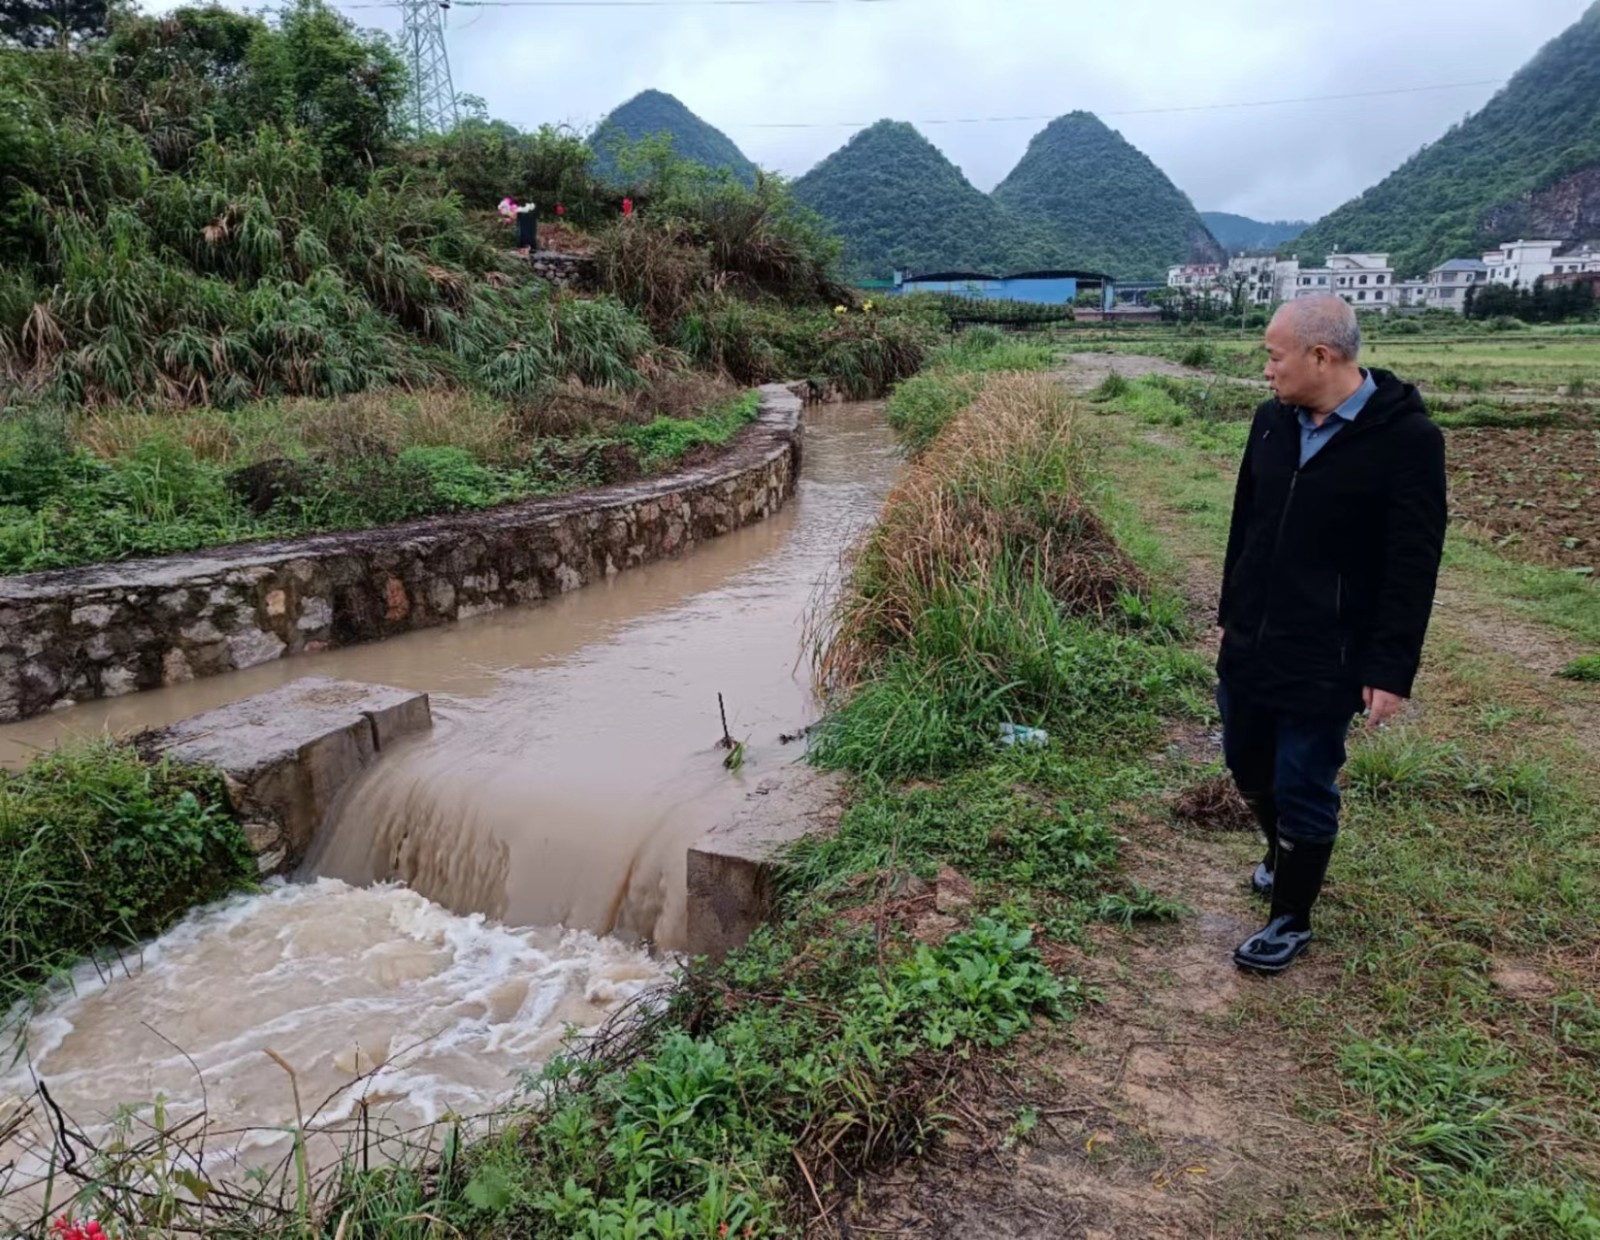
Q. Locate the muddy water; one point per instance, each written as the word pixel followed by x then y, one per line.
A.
pixel 570 793
pixel 573 759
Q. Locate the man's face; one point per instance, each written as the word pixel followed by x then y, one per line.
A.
pixel 1293 371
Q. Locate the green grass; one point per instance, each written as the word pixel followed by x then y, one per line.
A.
pixel 923 405
pixel 664 440
pixel 99 850
pixel 70 506
pixel 1451 358
pixel 1471 844
pixel 1563 599
pixel 1585 667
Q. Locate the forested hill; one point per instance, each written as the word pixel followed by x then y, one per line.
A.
pixel 653 113
pixel 898 202
pixel 1528 164
pixel 1240 232
pixel 1102 203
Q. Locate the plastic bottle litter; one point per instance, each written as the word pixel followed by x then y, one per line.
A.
pixel 1016 734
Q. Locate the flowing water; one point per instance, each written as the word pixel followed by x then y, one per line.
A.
pixel 572 762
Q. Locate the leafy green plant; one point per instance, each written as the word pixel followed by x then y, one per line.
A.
pixel 1137 904
pixel 666 439
pixel 98 850
pixel 1585 667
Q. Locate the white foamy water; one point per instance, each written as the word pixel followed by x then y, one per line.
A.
pixel 571 765
pixel 372 994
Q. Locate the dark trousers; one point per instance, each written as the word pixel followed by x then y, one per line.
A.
pixel 1295 758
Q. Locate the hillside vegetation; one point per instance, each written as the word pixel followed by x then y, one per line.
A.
pixel 1451 198
pixel 1082 198
pixel 1240 232
pixel 1102 204
pixel 896 201
pixel 653 114
pixel 237 300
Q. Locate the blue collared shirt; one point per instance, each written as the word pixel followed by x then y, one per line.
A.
pixel 1314 438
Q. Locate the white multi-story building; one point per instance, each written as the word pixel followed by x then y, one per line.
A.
pixel 1521 262
pixel 1309 281
pixel 1411 293
pixel 1265 278
pixel 1194 276
pixel 1366 281
pixel 1578 259
pixel 1449 282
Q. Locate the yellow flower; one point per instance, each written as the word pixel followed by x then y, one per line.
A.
pixel 868 306
pixel 840 310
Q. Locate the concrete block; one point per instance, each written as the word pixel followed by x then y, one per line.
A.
pixel 287 755
pixel 731 868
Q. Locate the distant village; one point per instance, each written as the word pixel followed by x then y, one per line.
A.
pixel 1368 281
pixel 1257 281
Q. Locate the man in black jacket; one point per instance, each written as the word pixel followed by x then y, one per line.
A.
pixel 1338 527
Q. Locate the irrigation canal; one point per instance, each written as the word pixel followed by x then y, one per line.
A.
pixel 517 871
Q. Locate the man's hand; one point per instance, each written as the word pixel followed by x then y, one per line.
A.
pixel 1382 706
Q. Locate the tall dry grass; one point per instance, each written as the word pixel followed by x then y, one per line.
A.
pixel 996 504
pixel 383 422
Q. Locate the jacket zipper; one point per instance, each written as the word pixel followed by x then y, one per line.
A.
pixel 1338 615
pixel 1277 542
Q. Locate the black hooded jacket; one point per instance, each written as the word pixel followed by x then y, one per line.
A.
pixel 1331 568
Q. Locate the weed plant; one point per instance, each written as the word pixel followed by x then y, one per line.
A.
pixel 98 850
pixel 65 505
pixel 920 407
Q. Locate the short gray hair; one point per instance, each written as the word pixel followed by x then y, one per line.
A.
pixel 1326 320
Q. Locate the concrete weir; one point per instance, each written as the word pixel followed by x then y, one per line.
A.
pixel 286 756
pixel 732 867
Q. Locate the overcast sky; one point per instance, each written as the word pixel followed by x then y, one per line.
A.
pixel 745 68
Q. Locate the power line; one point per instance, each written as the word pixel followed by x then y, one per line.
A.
pixel 1193 107
pixel 612 4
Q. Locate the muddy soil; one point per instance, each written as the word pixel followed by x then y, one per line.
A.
pixel 1157 1115
pixel 1534 491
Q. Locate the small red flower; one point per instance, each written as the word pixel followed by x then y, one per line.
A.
pixel 65 1228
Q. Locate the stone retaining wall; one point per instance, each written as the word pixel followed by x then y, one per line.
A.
pixel 569 271
pixel 73 635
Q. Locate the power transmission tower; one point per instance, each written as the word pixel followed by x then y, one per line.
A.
pixel 432 105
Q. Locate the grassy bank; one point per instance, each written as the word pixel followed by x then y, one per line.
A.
pixel 908 949
pixel 100 850
pixel 1448 1024
pixel 239 300
pixel 1523 534
pixel 167 483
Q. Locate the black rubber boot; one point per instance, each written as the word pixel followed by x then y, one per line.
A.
pixel 1296 885
pixel 1265 807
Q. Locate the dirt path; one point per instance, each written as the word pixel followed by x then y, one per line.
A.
pixel 1161 1115
pixel 1084 372
pixel 1172 1107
